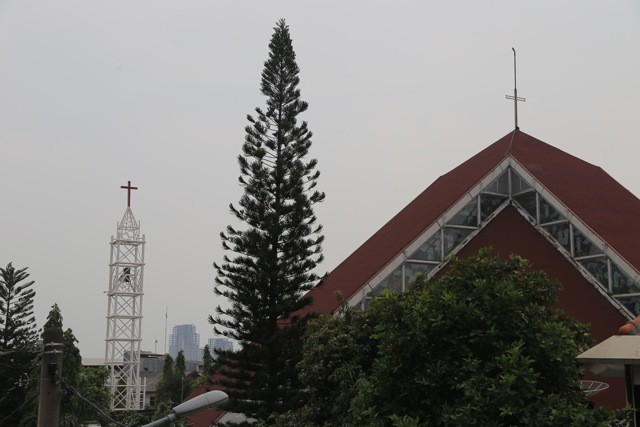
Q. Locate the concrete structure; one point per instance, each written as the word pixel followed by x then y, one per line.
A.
pixel 151 365
pixel 185 338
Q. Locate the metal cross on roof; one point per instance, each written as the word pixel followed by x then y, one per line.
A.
pixel 128 187
pixel 515 90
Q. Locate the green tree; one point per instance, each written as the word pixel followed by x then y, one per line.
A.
pixel 17 323
pixel 54 318
pixel 181 364
pixel 481 345
pixel 18 336
pixel 166 383
pixel 80 385
pixel 208 367
pixel 277 249
pixel 174 385
pixel 180 372
pixel 339 352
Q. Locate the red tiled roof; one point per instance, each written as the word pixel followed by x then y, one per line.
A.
pixel 610 210
pixel 206 418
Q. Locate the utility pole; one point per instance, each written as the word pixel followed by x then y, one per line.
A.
pixel 50 371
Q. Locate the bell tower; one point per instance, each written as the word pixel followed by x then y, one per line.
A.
pixel 124 313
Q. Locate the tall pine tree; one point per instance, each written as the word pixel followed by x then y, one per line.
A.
pixel 18 337
pixel 277 248
pixel 17 323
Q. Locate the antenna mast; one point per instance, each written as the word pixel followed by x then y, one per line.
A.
pixel 166 319
pixel 515 91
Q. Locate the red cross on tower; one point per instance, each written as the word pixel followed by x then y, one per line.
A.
pixel 129 188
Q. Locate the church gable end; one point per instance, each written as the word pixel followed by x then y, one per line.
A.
pixel 592 256
pixel 524 178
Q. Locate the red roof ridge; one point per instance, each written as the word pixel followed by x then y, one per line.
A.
pixel 476 168
pixel 575 183
pixel 583 187
pixel 206 418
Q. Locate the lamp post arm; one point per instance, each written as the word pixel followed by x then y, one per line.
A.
pixel 162 421
pixel 203 402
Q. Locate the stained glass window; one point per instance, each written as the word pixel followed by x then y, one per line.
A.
pixel 583 246
pixel 430 250
pixel 548 213
pixel 412 269
pixel 453 237
pixel 499 185
pixel 599 268
pixel 518 185
pixel 528 203
pixel 632 304
pixel 489 203
pixel 560 233
pixel 621 283
pixel 393 282
pixel 492 197
pixel 468 215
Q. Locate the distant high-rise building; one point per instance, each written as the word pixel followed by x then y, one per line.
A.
pixel 220 344
pixel 185 338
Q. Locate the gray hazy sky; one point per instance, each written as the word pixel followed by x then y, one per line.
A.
pixel 93 94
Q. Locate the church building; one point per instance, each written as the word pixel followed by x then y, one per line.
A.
pixel 520 196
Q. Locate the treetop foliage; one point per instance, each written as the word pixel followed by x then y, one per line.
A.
pixel 208 363
pixel 481 345
pixel 54 318
pixel 281 246
pixel 17 323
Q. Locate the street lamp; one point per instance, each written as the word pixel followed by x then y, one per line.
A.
pixel 205 401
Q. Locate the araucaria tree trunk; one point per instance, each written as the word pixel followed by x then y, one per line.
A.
pixel 276 249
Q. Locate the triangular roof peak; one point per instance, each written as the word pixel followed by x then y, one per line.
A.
pixel 128 227
pixel 599 201
pixel 533 176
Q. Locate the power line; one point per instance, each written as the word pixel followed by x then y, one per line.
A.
pixel 17 409
pixel 84 399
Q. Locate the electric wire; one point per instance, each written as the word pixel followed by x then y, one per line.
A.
pixel 84 399
pixel 513 135
pixel 9 392
pixel 15 386
pixel 17 409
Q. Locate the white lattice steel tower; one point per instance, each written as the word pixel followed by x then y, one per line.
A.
pixel 124 313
